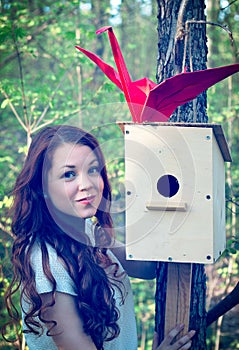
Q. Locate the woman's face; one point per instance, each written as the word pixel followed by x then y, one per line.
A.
pixel 74 182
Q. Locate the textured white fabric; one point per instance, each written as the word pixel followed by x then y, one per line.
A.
pixel 127 340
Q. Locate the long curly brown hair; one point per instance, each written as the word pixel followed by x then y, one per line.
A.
pixel 32 222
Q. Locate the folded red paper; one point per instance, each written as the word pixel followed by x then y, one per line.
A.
pixel 149 101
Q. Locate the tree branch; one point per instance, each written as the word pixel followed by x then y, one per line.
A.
pixel 13 109
pixel 180 22
pixel 37 122
pixel 226 304
pixel 213 24
pixel 230 3
pixel 5 230
pixel 24 105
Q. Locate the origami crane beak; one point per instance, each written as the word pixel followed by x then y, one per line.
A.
pixel 149 101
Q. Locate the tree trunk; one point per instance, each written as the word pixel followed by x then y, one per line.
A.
pixel 100 18
pixel 182 45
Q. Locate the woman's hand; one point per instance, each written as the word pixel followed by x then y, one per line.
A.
pixel 182 343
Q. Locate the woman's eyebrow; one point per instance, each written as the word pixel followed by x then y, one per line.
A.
pixel 94 160
pixel 73 166
pixel 68 166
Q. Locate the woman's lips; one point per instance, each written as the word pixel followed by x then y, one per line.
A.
pixel 86 200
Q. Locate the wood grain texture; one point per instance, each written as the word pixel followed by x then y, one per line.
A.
pixel 178 296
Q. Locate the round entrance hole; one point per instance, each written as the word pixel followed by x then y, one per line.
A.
pixel 168 185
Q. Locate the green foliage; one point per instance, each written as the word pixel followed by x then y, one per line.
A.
pixel 144 292
pixel 45 80
pixel 223 108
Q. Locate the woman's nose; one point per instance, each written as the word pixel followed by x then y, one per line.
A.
pixel 84 183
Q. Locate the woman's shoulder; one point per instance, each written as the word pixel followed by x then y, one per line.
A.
pixel 55 266
pixel 36 254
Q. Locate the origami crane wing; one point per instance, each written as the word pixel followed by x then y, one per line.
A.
pixel 182 88
pixel 149 101
pixel 109 71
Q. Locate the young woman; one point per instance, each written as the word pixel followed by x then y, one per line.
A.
pixel 72 274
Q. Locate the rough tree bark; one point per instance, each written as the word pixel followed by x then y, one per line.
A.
pixel 182 44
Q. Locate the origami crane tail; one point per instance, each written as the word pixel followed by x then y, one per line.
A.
pixel 122 69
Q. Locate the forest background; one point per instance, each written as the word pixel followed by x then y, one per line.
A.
pixel 44 80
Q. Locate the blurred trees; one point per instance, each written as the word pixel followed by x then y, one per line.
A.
pixel 223 276
pixel 45 80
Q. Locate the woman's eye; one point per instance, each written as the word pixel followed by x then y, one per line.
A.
pixel 94 170
pixel 68 175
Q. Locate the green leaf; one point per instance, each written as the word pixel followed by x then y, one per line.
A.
pixel 4 103
pixel 122 97
pixel 20 32
pixel 232 250
pixel 7 159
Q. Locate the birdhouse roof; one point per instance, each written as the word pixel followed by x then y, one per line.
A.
pixel 217 130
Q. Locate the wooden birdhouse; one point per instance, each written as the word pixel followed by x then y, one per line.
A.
pixel 175 191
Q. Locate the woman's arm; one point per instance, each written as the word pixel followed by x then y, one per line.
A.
pixel 68 334
pixel 138 269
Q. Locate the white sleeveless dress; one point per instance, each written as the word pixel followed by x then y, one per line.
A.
pixel 127 339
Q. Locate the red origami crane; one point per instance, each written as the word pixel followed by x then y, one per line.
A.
pixel 149 101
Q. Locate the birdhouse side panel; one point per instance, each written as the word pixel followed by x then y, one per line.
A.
pixel 218 201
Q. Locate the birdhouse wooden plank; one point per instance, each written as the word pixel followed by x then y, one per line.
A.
pixel 175 191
